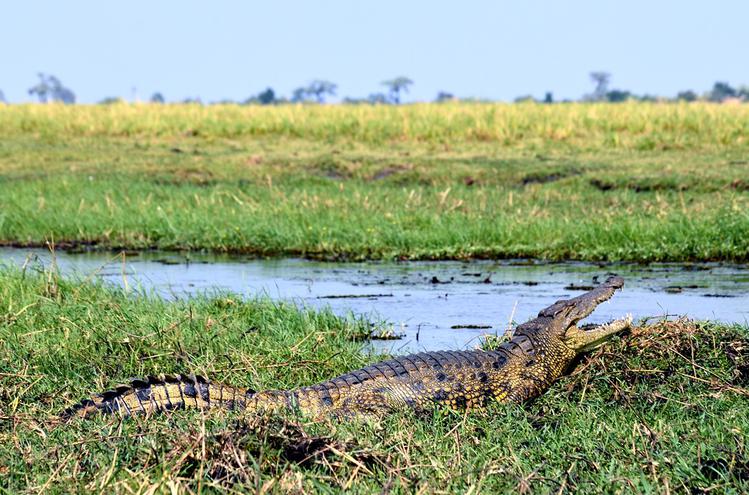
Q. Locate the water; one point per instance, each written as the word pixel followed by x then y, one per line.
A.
pixel 425 301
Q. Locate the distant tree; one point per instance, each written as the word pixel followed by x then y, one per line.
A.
pixel 191 101
pixel 618 95
pixel 444 96
pixel 524 99
pixel 378 99
pixel 601 80
pixel 267 97
pixel 41 89
pixel 60 92
pixel 549 97
pixel 111 100
pixel 647 97
pixel 687 95
pixel 299 95
pixel 157 97
pixel 395 86
pixel 743 93
pixel 50 88
pixel 64 95
pixel 2 97
pixel 318 89
pixel 721 91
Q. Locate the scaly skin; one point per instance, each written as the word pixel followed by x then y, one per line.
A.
pixel 524 367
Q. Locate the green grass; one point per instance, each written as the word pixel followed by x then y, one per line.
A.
pixel 637 182
pixel 661 409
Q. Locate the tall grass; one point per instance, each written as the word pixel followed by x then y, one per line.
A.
pixel 635 126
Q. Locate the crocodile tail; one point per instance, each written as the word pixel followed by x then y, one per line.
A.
pixel 161 393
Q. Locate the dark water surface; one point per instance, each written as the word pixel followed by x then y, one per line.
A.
pixel 435 305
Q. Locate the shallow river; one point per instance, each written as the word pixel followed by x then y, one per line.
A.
pixel 433 304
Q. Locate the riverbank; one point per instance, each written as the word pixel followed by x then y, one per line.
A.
pixel 431 305
pixel 661 407
pixel 634 182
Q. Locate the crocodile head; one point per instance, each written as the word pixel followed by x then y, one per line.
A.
pixel 565 315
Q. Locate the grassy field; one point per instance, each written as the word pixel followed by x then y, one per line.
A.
pixel 661 409
pixel 579 181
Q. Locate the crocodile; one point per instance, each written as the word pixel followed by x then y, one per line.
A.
pixel 540 351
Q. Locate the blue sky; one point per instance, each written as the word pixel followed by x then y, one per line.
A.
pixel 497 50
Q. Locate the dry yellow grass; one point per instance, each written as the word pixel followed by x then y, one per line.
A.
pixel 582 125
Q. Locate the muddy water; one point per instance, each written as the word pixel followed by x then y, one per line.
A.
pixel 433 304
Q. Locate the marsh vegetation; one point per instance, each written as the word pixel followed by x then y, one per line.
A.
pixel 638 182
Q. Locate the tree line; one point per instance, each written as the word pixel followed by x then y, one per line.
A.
pixel 720 92
pixel 50 89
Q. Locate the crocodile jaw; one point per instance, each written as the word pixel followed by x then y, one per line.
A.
pixel 568 312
